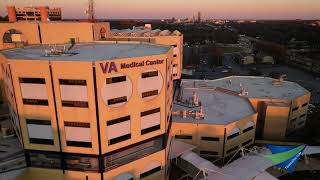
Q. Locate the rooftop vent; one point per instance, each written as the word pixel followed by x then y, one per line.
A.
pixel 60 51
pixel 195 99
pixel 279 81
pixel 243 91
pixel 200 114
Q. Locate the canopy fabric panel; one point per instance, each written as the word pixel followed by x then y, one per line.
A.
pixel 311 150
pixel 199 162
pixel 177 148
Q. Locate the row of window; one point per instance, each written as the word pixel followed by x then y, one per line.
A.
pixel 295 119
pixel 78 134
pixel 43 101
pixel 296 108
pixel 215 138
pixel 111 160
pixel 62 82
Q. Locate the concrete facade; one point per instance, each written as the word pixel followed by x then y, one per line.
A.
pixel 95 119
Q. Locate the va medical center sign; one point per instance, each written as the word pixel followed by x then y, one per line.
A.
pixel 109 67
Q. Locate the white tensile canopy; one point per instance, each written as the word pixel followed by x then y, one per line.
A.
pixel 177 148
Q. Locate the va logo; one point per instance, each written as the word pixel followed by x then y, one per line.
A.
pixel 108 68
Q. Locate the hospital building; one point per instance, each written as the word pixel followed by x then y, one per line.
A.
pixel 90 102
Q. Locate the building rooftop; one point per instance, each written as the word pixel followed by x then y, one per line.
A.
pixel 219 107
pixel 88 51
pixel 256 87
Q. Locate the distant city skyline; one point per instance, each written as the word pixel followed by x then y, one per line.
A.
pixel 216 9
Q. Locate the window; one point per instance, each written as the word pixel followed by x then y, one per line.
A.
pixel 233 136
pixel 72 82
pixel 116 79
pixel 146 113
pixel 301 123
pixel 209 153
pixel 44 159
pixel 232 149
pixel 117 100
pixel 32 80
pixel 150 84
pixel 73 93
pixel 81 163
pixel 78 134
pixel 33 91
pixel 303 115
pixel 150 169
pixel 133 152
pixel 150 120
pixel 80 104
pixel 35 102
pixel 40 131
pixel 247 142
pixel 294 109
pixel 305 104
pixel 150 93
pixel 209 138
pixel 293 120
pixel 174 55
pixel 183 136
pixel 149 74
pixel 248 129
pixel 119 130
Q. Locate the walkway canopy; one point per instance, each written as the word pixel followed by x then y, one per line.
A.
pixel 177 148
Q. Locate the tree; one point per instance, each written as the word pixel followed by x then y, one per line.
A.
pixel 4 18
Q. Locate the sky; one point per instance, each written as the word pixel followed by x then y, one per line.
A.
pixel 160 9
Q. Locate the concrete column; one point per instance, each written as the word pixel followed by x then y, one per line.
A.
pixel 44 12
pixel 12 14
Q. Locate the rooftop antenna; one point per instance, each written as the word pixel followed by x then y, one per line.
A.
pixel 90 10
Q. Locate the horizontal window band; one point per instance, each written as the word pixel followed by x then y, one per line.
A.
pixel 303 115
pixel 211 153
pixel 150 129
pixel 296 108
pixel 152 111
pixel 41 141
pixel 32 80
pixel 210 138
pixel 117 100
pixel 233 136
pixel 77 124
pixel 73 82
pixel 305 104
pixel 39 102
pixel 183 137
pixel 248 129
pixel 232 149
pixel 150 93
pixel 247 142
pixel 149 74
pixel 135 144
pixel 119 139
pixel 116 79
pixel 119 120
pixel 152 171
pixel 79 144
pixel 39 122
pixel 82 104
